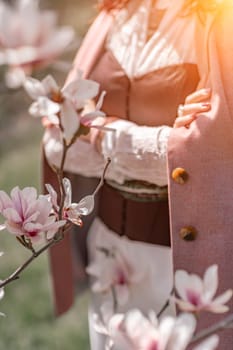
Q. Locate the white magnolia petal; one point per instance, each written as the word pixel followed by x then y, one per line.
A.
pixel 122 293
pixel 210 343
pixel 69 119
pixel 53 195
pixel 72 214
pixel 117 335
pixel 44 107
pixel 114 323
pixel 101 286
pixel 34 88
pixel 11 215
pixel 30 193
pixel 53 229
pixel 181 278
pixel 184 305
pixel 139 331
pixel 98 325
pixel 182 332
pixel 17 202
pixel 165 329
pixel 14 228
pixel 153 318
pixel 217 309
pixel 100 100
pixel 5 201
pixel 195 284
pixel 32 218
pixel 68 192
pixel 33 228
pixel 210 281
pixel 57 43
pixel 53 119
pixel 86 205
pixel 93 269
pixel 49 85
pixel 81 90
pixel 15 77
pixel 224 297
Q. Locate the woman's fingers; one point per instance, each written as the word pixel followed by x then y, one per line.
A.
pixel 184 121
pixel 192 108
pixel 198 96
pixel 188 113
pixel 195 103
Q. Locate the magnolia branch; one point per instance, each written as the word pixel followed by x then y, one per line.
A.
pixel 217 327
pixel 16 274
pixel 59 235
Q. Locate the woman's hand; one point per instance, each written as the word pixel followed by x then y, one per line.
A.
pixel 96 134
pixel 195 103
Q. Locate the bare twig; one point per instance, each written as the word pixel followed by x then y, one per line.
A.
pixel 165 306
pixel 60 175
pixel 217 327
pixel 16 274
pixel 114 298
pixel 102 177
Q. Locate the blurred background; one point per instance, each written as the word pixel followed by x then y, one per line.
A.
pixel 30 323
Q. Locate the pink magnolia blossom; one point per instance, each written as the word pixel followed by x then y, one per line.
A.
pixel 29 38
pixel 133 331
pixel 71 211
pixel 197 294
pixel 27 214
pixel 112 268
pixel 64 107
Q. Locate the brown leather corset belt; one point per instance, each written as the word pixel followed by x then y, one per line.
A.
pixel 138 220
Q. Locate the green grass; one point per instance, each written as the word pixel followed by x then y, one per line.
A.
pixel 30 323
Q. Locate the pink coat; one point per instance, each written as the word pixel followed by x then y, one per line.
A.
pixel 200 163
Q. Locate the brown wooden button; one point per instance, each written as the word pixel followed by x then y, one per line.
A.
pixel 188 233
pixel 180 175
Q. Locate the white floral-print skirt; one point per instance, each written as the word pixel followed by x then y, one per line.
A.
pixel 125 275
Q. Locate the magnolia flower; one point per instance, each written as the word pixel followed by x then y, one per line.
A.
pixel 28 215
pixel 63 107
pixel 197 294
pixel 113 269
pixel 133 331
pixel 71 211
pixel 29 38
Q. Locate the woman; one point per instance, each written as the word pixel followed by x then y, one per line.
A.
pixel 149 56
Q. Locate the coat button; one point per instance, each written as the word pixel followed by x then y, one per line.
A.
pixel 180 175
pixel 188 233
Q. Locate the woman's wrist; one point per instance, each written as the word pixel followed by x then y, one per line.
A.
pixel 97 134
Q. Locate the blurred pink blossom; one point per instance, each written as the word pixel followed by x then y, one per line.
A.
pixel 71 211
pixel 29 38
pixel 28 215
pixel 197 294
pixel 64 107
pixel 133 331
pixel 113 269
